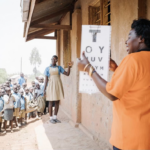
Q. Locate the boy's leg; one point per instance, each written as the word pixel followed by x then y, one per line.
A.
pixel 21 120
pixel 11 122
pixel 15 121
pixel 25 118
pixel 5 122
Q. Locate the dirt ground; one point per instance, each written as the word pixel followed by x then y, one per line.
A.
pixel 42 135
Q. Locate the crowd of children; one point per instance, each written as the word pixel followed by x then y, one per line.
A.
pixel 18 103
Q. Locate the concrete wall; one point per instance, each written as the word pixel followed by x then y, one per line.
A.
pixel 72 102
pixel 94 112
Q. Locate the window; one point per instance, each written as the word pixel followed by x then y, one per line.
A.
pixel 66 48
pixel 100 13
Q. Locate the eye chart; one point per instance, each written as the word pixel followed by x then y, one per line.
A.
pixel 95 42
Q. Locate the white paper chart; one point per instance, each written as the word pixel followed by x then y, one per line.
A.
pixel 95 42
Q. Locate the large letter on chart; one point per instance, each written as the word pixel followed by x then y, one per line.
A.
pixel 96 44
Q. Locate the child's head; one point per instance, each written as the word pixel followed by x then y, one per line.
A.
pixel 37 86
pixel 54 60
pixel 31 90
pixel 15 89
pixel 9 80
pixel 14 83
pixel 27 90
pixel 18 87
pixel 7 84
pixel 8 91
pixel 21 75
pixel 33 83
pixel 40 80
pixel 21 92
pixel 24 85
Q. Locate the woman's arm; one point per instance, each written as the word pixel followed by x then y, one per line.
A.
pixel 69 66
pixel 100 82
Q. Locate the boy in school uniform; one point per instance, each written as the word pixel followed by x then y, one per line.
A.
pixel 22 114
pixel 17 105
pixel 1 107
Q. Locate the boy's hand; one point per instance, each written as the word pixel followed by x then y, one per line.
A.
pixel 70 64
pixel 112 66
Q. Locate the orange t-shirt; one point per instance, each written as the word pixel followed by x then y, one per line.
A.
pixel 131 112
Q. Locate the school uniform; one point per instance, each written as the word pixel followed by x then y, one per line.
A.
pixel 21 80
pixel 131 112
pixel 31 96
pixel 28 97
pixel 8 107
pixel 22 107
pixel 1 107
pixel 54 90
pixel 17 104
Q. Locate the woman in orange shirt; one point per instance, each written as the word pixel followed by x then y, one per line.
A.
pixel 129 90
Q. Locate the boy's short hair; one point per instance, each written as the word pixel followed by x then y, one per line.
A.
pixel 142 28
pixel 7 89
pixel 55 56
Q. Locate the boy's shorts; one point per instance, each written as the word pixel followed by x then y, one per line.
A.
pixel 0 119
pixel 22 114
pixel 16 112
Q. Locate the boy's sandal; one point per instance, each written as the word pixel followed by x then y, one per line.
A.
pixel 12 131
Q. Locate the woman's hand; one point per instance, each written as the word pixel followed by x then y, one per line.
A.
pixel 82 63
pixel 70 64
pixel 113 66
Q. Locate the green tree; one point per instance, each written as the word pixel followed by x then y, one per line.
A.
pixel 35 60
pixel 3 75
